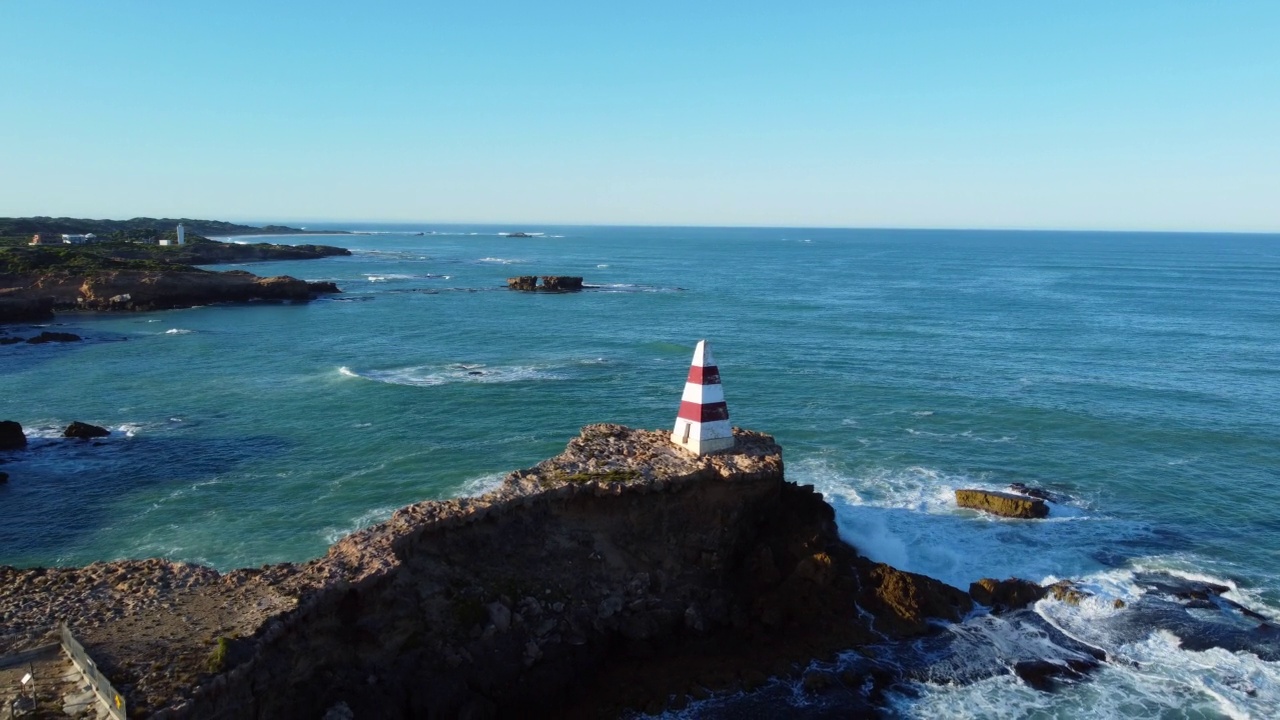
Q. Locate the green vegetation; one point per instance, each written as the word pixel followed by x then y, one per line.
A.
pixel 607 476
pixel 79 259
pixel 218 658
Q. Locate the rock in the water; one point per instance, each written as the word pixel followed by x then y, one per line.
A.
pixel 1067 592
pixel 4 477
pixel 550 283
pixel 48 337
pixel 84 431
pixel 1043 674
pixel 1003 504
pixel 903 603
pixel 1000 595
pixel 11 436
pixel 323 288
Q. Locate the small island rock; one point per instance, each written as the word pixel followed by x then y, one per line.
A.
pixel 550 283
pixel 11 436
pixel 1003 504
pixel 48 337
pixel 84 431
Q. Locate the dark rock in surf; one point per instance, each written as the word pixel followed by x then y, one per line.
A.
pixel 84 431
pixel 323 288
pixel 1044 675
pixel 11 436
pixel 519 234
pixel 1002 504
pixel 4 477
pixel 1035 492
pixel 903 603
pixel 48 337
pixel 1004 595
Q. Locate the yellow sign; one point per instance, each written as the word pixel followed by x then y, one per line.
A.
pixel 119 702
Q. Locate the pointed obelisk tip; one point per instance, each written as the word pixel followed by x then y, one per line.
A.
pixel 702 425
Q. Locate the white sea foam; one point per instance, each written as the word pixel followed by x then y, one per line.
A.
pixel 333 534
pixel 907 517
pixel 128 429
pixel 480 485
pixel 500 261
pixel 178 331
pixel 388 276
pixel 426 376
pixel 602 266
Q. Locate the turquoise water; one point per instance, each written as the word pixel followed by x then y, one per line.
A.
pixel 1134 374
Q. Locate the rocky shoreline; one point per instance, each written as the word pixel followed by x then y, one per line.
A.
pixel 621 574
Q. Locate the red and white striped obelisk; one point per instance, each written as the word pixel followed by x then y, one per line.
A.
pixel 703 423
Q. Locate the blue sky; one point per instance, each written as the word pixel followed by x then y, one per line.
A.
pixel 1095 115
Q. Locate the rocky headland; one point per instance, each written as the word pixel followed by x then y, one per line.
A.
pixel 35 282
pixel 622 573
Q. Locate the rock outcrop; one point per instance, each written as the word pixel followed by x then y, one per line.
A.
pixel 550 283
pixel 84 431
pixel 11 435
pixel 1004 595
pixel 48 337
pixel 618 574
pixel 1003 504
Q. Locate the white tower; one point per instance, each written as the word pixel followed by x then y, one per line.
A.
pixel 182 234
pixel 702 426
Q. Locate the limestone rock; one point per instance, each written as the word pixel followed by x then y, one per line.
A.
pixel 1003 504
pixel 11 435
pixel 84 431
pixel 1000 595
pixel 903 602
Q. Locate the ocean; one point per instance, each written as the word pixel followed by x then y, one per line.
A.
pixel 1134 375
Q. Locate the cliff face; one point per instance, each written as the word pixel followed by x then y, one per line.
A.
pixel 613 575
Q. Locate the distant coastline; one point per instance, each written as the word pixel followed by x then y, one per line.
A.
pixel 140 264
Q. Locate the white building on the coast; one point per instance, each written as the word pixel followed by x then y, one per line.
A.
pixel 79 239
pixel 182 237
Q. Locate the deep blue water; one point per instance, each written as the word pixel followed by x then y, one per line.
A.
pixel 1135 374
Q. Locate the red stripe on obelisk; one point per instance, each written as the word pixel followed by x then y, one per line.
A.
pixel 703 413
pixel 699 375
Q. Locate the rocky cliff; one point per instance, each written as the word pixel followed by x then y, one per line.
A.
pixel 621 573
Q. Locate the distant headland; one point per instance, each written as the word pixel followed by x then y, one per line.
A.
pixel 54 264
